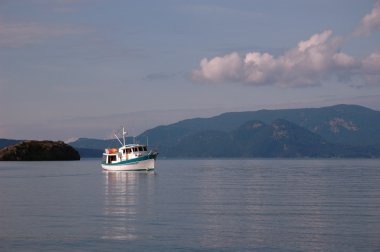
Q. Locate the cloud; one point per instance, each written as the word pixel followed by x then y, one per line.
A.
pixel 370 22
pixel 313 61
pixel 228 67
pixel 16 35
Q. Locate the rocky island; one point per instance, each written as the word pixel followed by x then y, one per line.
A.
pixel 33 150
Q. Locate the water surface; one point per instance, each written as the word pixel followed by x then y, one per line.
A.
pixel 191 205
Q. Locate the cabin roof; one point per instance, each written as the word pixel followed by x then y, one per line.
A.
pixel 132 145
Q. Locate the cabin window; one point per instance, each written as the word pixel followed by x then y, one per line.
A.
pixel 135 149
pixel 129 150
pixel 145 149
pixel 111 158
pixel 140 148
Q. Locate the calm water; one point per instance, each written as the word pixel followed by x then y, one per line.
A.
pixel 191 205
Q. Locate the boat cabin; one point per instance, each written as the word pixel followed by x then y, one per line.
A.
pixel 126 152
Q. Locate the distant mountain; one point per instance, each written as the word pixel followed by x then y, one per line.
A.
pixel 90 153
pixel 280 138
pixel 341 130
pixel 335 131
pixel 252 139
pixel 89 143
pixel 343 124
pixel 6 142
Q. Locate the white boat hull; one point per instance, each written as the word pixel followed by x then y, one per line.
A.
pixel 141 165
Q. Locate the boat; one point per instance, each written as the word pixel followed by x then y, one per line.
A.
pixel 129 157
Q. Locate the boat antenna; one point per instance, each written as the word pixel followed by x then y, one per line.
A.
pixel 124 134
pixel 118 139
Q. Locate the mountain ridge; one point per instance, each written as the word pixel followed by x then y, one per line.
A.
pixel 335 131
pixel 318 120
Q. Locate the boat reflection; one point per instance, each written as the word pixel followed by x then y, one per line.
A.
pixel 126 195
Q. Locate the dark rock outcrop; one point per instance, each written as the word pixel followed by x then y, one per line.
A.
pixel 39 151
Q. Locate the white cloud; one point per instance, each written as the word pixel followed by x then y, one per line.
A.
pixel 227 67
pixel 344 61
pixel 312 61
pixel 315 40
pixel 370 22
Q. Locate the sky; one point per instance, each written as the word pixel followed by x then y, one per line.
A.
pixel 83 68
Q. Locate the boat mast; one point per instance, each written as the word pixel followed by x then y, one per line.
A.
pixel 124 133
pixel 118 139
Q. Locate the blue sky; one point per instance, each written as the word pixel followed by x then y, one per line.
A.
pixel 80 68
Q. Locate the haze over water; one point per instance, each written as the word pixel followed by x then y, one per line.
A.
pixel 191 205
